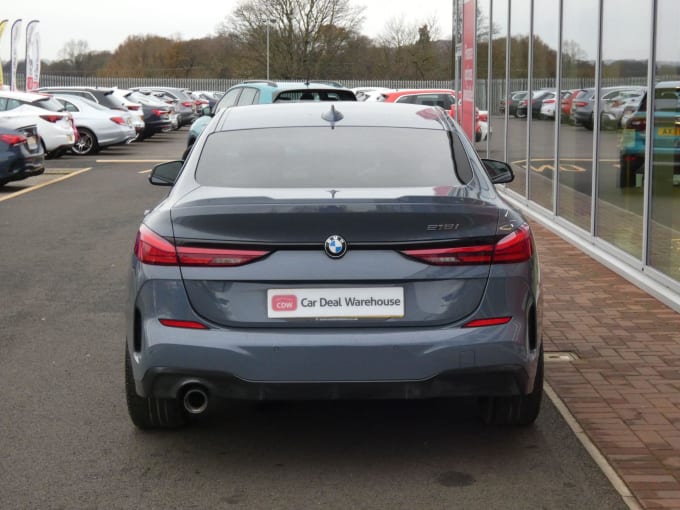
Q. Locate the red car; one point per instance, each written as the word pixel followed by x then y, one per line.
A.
pixel 566 102
pixel 445 98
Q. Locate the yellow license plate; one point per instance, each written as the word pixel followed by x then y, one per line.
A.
pixel 668 131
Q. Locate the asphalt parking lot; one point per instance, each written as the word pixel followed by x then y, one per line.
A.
pixel 67 441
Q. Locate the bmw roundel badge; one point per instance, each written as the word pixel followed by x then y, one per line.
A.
pixel 335 247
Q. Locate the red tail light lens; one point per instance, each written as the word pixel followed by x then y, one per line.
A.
pixel 460 256
pixel 549 101
pixel 133 107
pixel 118 120
pixel 12 139
pixel 513 248
pixel 187 104
pixel 160 113
pixel 580 104
pixel 214 257
pixel 150 248
pixel 52 118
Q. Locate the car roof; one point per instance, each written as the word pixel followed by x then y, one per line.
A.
pixel 406 92
pixel 23 96
pixel 353 114
pixel 106 90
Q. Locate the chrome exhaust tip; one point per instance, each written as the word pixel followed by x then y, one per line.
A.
pixel 195 400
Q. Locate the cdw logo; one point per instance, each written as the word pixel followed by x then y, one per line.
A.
pixel 284 303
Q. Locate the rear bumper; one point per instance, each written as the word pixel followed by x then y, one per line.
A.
pixel 17 171
pixel 501 381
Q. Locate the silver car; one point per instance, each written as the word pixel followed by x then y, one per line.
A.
pixel 97 125
pixel 324 251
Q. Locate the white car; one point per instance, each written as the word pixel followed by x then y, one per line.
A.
pixel 55 125
pixel 97 125
pixel 548 109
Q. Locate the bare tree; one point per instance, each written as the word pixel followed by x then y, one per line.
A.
pixel 303 33
pixel 75 53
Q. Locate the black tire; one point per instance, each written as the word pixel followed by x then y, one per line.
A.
pixel 86 144
pixel 519 410
pixel 148 412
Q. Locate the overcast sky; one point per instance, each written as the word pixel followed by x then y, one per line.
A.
pixel 106 25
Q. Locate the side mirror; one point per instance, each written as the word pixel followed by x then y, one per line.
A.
pixel 498 171
pixel 165 174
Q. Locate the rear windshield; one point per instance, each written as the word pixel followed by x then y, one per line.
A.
pixel 49 103
pixel 315 95
pixel 314 157
pixel 667 99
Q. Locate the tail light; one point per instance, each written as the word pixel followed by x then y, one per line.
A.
pixel 523 102
pixel 52 118
pixel 514 247
pixel 118 120
pixel 637 124
pixel 580 104
pixel 187 104
pixel 10 139
pixel 549 101
pixel 159 113
pixel 150 248
pixel 133 107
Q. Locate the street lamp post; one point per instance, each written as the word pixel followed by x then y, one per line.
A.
pixel 269 23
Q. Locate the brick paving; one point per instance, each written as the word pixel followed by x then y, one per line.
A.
pixel 624 390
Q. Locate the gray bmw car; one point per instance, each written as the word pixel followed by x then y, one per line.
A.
pixel 326 251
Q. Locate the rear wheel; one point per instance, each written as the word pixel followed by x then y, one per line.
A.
pixel 86 143
pixel 149 412
pixel 516 410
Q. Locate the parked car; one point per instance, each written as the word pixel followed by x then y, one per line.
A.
pixel 105 96
pixel 514 100
pixel 539 97
pixel 566 103
pixel 371 93
pixel 583 106
pixel 332 250
pixel 55 125
pixel 205 98
pixel 184 103
pixel 97 126
pixel 21 155
pixel 264 92
pixel 444 98
pixel 615 105
pixel 666 140
pixel 157 114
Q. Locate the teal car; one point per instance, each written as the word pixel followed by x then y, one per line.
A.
pixel 264 92
pixel 666 149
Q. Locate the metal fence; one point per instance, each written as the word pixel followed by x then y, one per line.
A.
pixel 497 87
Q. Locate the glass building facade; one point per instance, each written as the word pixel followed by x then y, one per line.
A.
pixel 584 102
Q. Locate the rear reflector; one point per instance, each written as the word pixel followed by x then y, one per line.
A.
pixel 481 323
pixel 150 248
pixel 171 323
pixel 514 247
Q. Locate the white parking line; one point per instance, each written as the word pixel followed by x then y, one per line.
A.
pixel 38 186
pixel 124 161
pixel 608 470
pixel 145 171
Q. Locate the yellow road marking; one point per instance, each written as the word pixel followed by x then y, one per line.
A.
pixel 37 187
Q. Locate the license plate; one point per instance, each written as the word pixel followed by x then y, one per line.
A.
pixel 32 143
pixel 70 139
pixel 370 302
pixel 668 131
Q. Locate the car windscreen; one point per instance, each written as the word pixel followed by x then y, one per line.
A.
pixel 318 157
pixel 667 99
